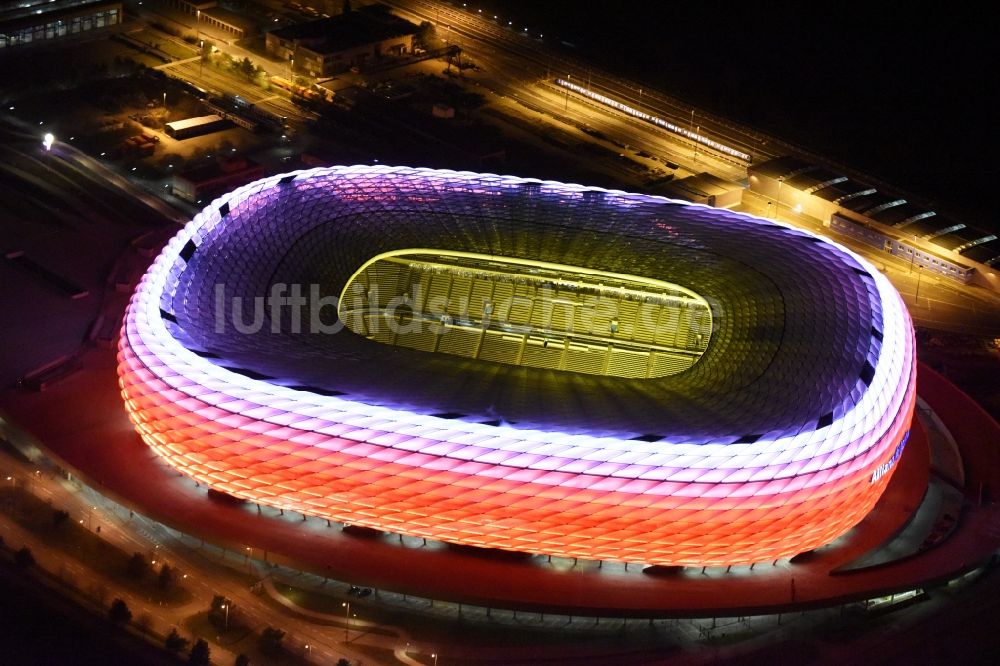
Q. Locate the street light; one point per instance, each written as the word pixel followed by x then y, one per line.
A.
pixel 434 656
pixel 225 607
pixel 916 295
pixel 347 619
pixel 48 140
pixel 777 206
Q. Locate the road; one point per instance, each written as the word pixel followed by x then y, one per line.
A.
pixel 517 61
pixel 200 575
pixel 208 77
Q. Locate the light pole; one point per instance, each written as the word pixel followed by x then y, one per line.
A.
pixel 198 21
pixel 434 656
pixel 781 181
pixel 691 129
pixel 347 620
pixel 225 607
pixel 916 295
pixel 164 100
pixel 697 131
pixel 569 77
pixel 13 494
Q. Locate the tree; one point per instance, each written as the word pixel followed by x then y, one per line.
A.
pixel 24 558
pixel 137 566
pixel 119 612
pixel 200 655
pixel 270 641
pixel 346 7
pixel 248 69
pixel 175 642
pixel 242 660
pixel 165 581
pixel 59 517
pixel 425 36
pixel 217 612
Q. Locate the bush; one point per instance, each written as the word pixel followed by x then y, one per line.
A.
pixel 270 641
pixel 175 642
pixel 119 612
pixel 166 579
pixel 137 566
pixel 24 558
pixel 200 655
pixel 59 517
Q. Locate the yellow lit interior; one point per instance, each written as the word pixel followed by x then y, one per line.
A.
pixel 525 312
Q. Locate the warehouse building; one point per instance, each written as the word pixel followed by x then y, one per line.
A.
pixel 331 45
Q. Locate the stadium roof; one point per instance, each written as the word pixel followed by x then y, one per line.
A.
pixel 798 320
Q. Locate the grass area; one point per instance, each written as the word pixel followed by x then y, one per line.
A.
pixel 157 40
pixel 43 625
pixel 62 66
pixel 72 537
pixel 316 602
pixel 239 640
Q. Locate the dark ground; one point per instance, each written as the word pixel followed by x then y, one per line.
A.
pixel 29 613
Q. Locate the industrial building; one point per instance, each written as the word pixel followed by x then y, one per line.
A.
pixel 331 45
pixel 203 182
pixel 40 21
pixel 704 188
pixel 190 127
pixel 932 241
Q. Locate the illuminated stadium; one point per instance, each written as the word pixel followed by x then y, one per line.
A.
pixel 522 365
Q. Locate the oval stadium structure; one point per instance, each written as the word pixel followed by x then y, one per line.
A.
pixel 524 365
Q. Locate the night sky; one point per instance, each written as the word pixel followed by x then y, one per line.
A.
pixel 900 95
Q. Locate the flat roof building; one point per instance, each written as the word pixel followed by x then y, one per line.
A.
pixel 332 45
pixel 706 189
pixel 183 129
pixel 215 178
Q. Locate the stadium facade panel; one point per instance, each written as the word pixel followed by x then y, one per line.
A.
pixel 777 440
